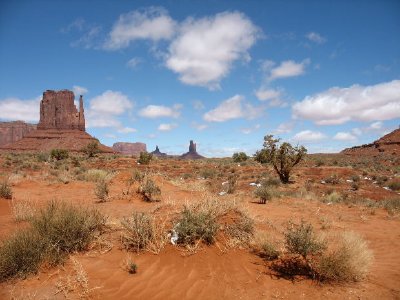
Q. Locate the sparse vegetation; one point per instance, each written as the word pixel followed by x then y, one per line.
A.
pixel 283 157
pixel 101 190
pixel 145 158
pixel 5 190
pixel 264 193
pixel 239 157
pixel 150 190
pixel 59 154
pixel 91 149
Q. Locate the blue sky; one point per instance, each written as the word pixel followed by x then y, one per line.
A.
pixel 325 74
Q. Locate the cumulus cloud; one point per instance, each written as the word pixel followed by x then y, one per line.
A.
pixel 357 103
pixel 308 136
pixel 284 128
pixel 104 109
pixel 79 90
pixel 17 109
pixel 167 127
pixel 159 111
pixel 152 23
pixel 232 108
pixel 376 125
pixel 315 37
pixel 273 96
pixel 288 68
pixel 205 49
pixel 344 136
pixel 134 62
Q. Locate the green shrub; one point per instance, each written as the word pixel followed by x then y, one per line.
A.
pixel 391 205
pixel 232 181
pixel 208 173
pixel 42 157
pixel 139 231
pixel 5 190
pixel 348 260
pixel 264 193
pixel 332 179
pixel 269 251
pixel 101 190
pixel 149 190
pixel 394 185
pixel 132 268
pixel 145 158
pixel 59 154
pixel 91 149
pixel 300 239
pixel 195 225
pixel 239 157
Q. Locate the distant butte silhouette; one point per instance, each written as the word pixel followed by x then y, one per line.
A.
pixel 192 154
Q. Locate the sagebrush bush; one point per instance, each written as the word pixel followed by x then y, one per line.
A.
pixel 232 181
pixel 394 185
pixel 269 251
pixel 5 190
pixel 150 190
pixel 101 190
pixel 300 239
pixel 348 259
pixel 59 154
pixel 264 193
pixel 91 149
pixel 58 229
pixel 239 157
pixel 332 179
pixel 145 158
pixel 139 231
pixel 196 224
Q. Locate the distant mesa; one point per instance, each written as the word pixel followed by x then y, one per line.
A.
pixel 388 144
pixel 61 126
pixel 192 154
pixel 129 148
pixel 11 132
pixel 158 153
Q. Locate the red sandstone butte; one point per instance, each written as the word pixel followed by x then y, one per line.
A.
pixel 192 154
pixel 11 132
pixel 129 148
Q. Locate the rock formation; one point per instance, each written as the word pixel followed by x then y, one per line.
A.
pixel 158 153
pixel 11 132
pixel 388 144
pixel 192 154
pixel 61 126
pixel 58 111
pixel 130 148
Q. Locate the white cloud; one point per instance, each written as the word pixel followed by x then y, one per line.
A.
pixel 250 129
pixel 376 125
pixel 288 68
pixel 111 103
pixel 205 49
pixel 167 127
pixel 13 109
pixel 199 127
pixel 284 128
pixel 358 103
pixel 153 23
pixel 315 37
pixel 232 108
pixel 126 130
pixel 104 109
pixel 344 136
pixel 308 136
pixel 134 62
pixel 79 90
pixel 264 94
pixel 159 111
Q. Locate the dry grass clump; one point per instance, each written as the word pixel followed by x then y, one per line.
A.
pixel 143 232
pixel 22 209
pixel 149 190
pixel 101 190
pixel 55 231
pixel 264 247
pixel 96 175
pixel 5 190
pixel 348 259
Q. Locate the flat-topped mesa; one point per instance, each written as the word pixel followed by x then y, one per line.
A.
pixel 58 111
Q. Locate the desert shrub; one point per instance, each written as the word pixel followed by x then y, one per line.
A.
pixel 264 193
pixel 66 228
pixel 58 229
pixel 239 157
pixel 394 185
pixel 91 149
pixel 391 205
pixel 333 197
pixel 232 181
pixel 101 190
pixel 355 186
pixel 269 251
pixel 22 210
pixel 283 157
pixel 97 175
pixel 195 225
pixel 132 268
pixel 355 178
pixel 381 180
pixel 332 179
pixel 138 176
pixel 59 154
pixel 241 230
pixel 319 163
pixel 300 239
pixel 5 190
pixel 139 231
pixel 42 157
pixel 145 158
pixel 149 190
pixel 21 254
pixel 208 173
pixel 347 260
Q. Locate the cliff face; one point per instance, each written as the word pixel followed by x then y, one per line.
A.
pixel 129 148
pixel 58 111
pixel 388 144
pixel 11 132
